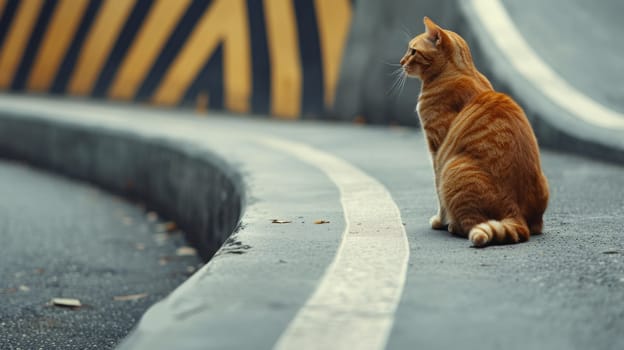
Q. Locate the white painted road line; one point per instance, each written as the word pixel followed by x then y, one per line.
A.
pixel 505 35
pixel 354 304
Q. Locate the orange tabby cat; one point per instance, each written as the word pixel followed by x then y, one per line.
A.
pixel 486 161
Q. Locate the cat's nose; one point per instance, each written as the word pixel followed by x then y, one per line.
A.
pixel 403 60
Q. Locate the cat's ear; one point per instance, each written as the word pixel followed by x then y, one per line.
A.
pixel 434 32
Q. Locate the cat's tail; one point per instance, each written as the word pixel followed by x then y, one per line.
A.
pixel 509 230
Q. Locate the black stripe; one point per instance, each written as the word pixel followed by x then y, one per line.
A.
pixel 172 47
pixel 19 80
pixel 126 36
pixel 7 19
pixel 209 80
pixel 309 43
pixel 69 61
pixel 260 65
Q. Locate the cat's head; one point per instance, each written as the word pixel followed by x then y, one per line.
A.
pixel 435 51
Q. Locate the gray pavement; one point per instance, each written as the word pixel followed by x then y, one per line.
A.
pixel 562 290
pixel 71 240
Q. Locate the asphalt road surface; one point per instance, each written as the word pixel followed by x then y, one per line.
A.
pixel 561 290
pixel 64 239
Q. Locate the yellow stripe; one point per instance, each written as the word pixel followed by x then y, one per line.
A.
pixel 17 39
pixel 334 19
pixel 2 4
pixel 225 20
pixel 237 59
pixel 102 36
pixel 285 59
pixel 58 37
pixel 150 40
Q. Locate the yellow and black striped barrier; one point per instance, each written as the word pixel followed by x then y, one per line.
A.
pixel 279 57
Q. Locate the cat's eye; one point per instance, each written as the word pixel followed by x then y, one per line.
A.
pixel 412 52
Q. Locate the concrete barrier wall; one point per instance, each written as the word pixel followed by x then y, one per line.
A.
pixel 378 39
pixel 326 59
pixel 278 57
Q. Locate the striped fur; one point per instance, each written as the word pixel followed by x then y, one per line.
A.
pixel 488 177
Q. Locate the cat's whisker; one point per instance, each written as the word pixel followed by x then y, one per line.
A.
pixel 403 84
pixel 392 87
pixel 397 71
pixel 406 32
pixel 399 81
pixel 400 85
pixel 392 64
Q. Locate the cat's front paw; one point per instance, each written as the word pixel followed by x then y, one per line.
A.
pixel 436 222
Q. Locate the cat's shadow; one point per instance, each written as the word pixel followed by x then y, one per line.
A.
pixel 425 232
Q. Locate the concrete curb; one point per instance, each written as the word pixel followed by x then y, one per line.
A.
pixel 135 166
pixel 206 178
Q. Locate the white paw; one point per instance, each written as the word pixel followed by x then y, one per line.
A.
pixel 436 222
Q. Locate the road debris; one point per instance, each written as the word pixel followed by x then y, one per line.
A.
pixel 130 297
pixel 320 222
pixel 166 227
pixel 186 251
pixel 278 221
pixel 67 302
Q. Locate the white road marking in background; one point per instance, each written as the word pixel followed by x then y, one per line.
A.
pixel 354 304
pixel 502 30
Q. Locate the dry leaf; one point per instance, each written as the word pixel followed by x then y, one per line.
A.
pixel 277 221
pixel 130 297
pixel 24 288
pixel 319 222
pixel 166 227
pixel 66 302
pixel 170 226
pixel 186 251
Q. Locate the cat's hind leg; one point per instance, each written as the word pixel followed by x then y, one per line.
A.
pixel 468 193
pixel 477 209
